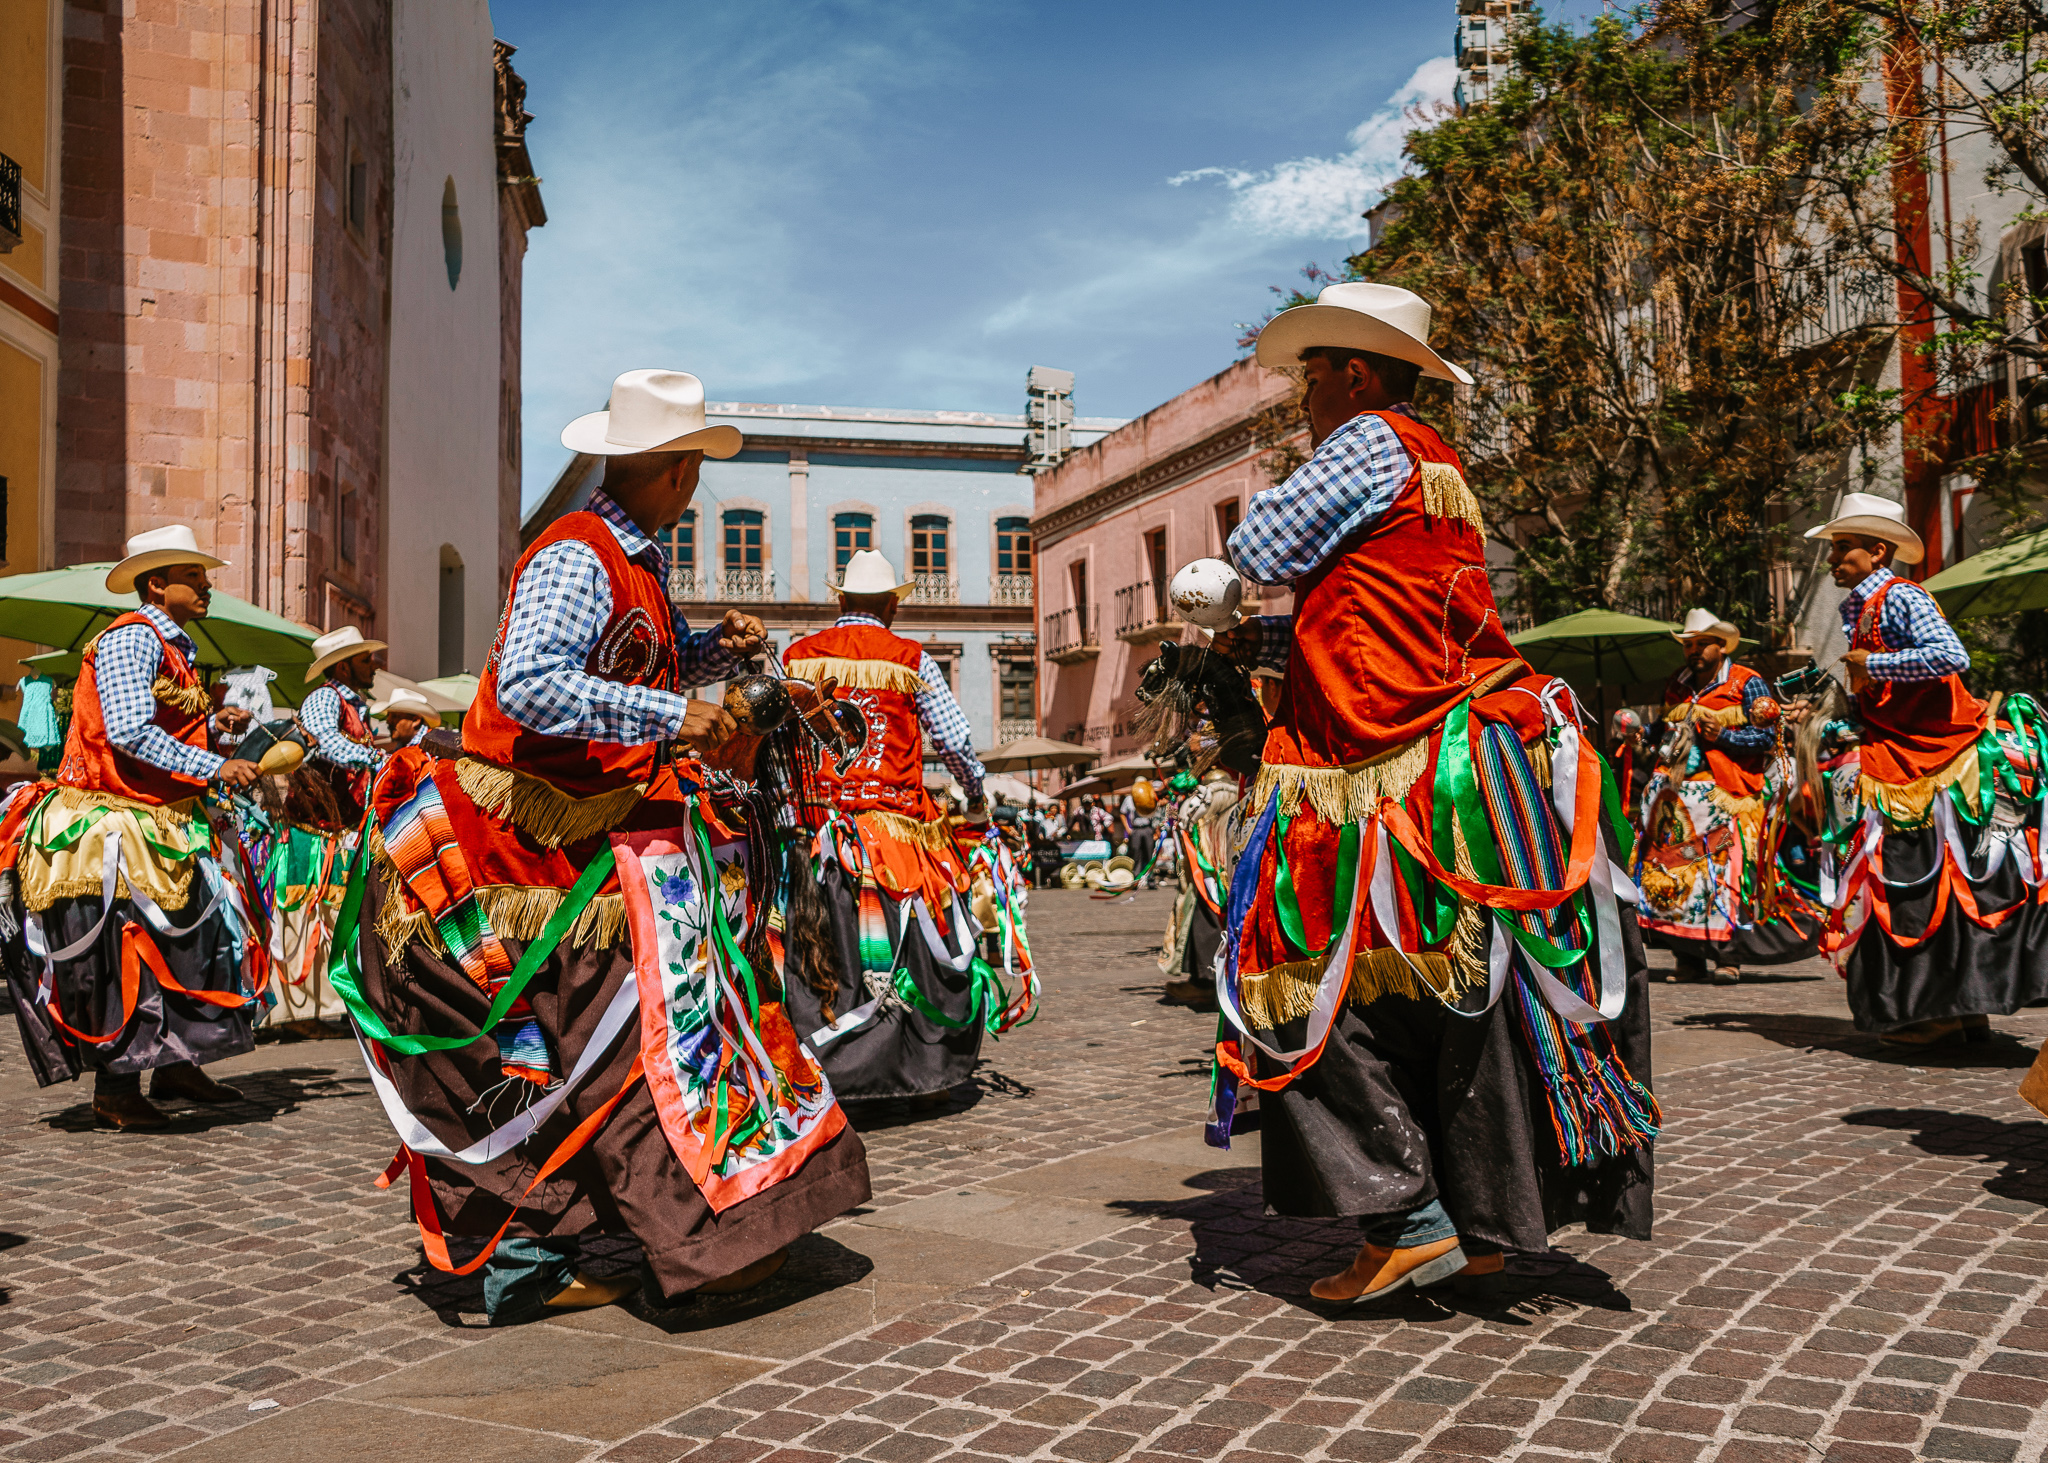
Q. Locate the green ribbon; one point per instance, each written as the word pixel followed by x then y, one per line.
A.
pixel 1288 908
pixel 345 972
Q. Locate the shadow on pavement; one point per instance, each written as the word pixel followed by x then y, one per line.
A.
pixel 2021 1147
pixel 1838 1033
pixel 265 1095
pixel 879 1114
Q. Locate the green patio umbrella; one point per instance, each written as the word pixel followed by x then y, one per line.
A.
pixel 1602 648
pixel 65 608
pixel 2013 576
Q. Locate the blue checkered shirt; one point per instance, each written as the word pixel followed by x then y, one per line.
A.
pixel 944 722
pixel 1911 620
pixel 125 665
pixel 320 715
pixel 1289 530
pixel 559 610
pixel 1734 738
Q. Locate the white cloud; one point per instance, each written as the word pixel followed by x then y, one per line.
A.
pixel 1323 198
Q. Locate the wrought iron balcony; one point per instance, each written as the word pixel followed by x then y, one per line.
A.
pixel 935 588
pixel 1011 589
pixel 1073 635
pixel 1015 728
pixel 683 584
pixel 746 584
pixel 10 204
pixel 1142 617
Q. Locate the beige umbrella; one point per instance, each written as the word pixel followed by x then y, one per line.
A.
pixel 1027 754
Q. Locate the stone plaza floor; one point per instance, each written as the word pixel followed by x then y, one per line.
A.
pixel 1848 1264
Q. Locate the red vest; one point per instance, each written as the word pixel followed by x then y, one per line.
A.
pixel 889 774
pixel 1910 728
pixel 91 761
pixel 1737 771
pixel 637 648
pixel 1390 631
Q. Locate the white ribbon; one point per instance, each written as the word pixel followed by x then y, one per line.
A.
pixel 1329 993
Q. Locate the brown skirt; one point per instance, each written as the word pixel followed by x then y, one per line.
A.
pixel 626 1179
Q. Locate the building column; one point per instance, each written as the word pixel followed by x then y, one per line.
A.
pixel 799 524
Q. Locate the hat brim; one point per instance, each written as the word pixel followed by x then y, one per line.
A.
pixel 1305 327
pixel 1910 549
pixel 336 657
pixel 1730 639
pixel 587 434
pixel 901 591
pixel 121 578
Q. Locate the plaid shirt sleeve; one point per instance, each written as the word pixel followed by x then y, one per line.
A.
pixel 553 624
pixel 1352 479
pixel 320 715
pixel 1750 738
pixel 1276 641
pixel 700 659
pixel 125 666
pixel 1912 619
pixel 947 724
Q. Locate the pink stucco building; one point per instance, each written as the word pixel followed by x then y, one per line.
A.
pixel 1114 521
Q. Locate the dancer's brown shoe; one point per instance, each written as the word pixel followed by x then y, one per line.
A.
pixel 187 1081
pixel 747 1278
pixel 1923 1033
pixel 1379 1270
pixel 127 1112
pixel 1195 993
pixel 588 1292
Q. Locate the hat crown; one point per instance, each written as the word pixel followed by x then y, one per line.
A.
pixel 1403 309
pixel 335 640
pixel 1870 505
pixel 651 407
pixel 176 536
pixel 869 572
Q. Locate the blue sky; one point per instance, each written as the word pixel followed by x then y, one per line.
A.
pixel 910 203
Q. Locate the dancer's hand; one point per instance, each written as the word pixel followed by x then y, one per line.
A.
pixel 237 772
pixel 1239 644
pixel 706 725
pixel 741 634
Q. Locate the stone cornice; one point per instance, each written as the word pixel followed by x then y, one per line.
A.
pixel 880 447
pixel 1231 443
pixel 912 620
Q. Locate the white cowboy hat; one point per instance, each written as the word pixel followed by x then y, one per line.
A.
pixel 1706 622
pixel 405 701
pixel 867 572
pixel 1359 316
pixel 1874 517
pixel 652 411
pixel 338 645
pixel 154 550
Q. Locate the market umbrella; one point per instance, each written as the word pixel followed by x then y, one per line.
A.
pixel 65 608
pixel 457 690
pixel 1027 754
pixel 2013 576
pixel 1601 648
pixel 1114 777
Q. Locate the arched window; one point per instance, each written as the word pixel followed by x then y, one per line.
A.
pixel 451 232
pixel 1013 546
pixel 851 532
pixel 743 538
pixel 680 543
pixel 449 659
pixel 928 533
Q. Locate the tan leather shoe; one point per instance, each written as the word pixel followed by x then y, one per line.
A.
pixel 127 1112
pixel 587 1292
pixel 747 1278
pixel 187 1081
pixel 1379 1270
pixel 1195 993
pixel 1923 1033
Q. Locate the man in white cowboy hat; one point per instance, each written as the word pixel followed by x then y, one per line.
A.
pixel 1715 816
pixel 891 853
pixel 583 728
pixel 145 971
pixel 1920 764
pixel 1374 875
pixel 408 715
pixel 336 715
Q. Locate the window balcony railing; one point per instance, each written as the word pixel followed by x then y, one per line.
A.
pixel 1073 635
pixel 683 584
pixel 935 588
pixel 1015 728
pixel 1011 589
pixel 746 584
pixel 1142 617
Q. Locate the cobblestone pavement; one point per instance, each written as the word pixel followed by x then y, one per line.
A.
pixel 1848 1265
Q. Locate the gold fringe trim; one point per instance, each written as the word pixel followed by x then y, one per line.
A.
pixel 1725 716
pixel 1288 992
pixel 515 912
pixel 935 836
pixel 192 700
pixel 1734 806
pixel 1910 804
pixel 858 675
pixel 1468 944
pixel 547 815
pixel 1445 495
pixel 89 800
pixel 1343 794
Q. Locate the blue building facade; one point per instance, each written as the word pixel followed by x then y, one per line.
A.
pixel 943 495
